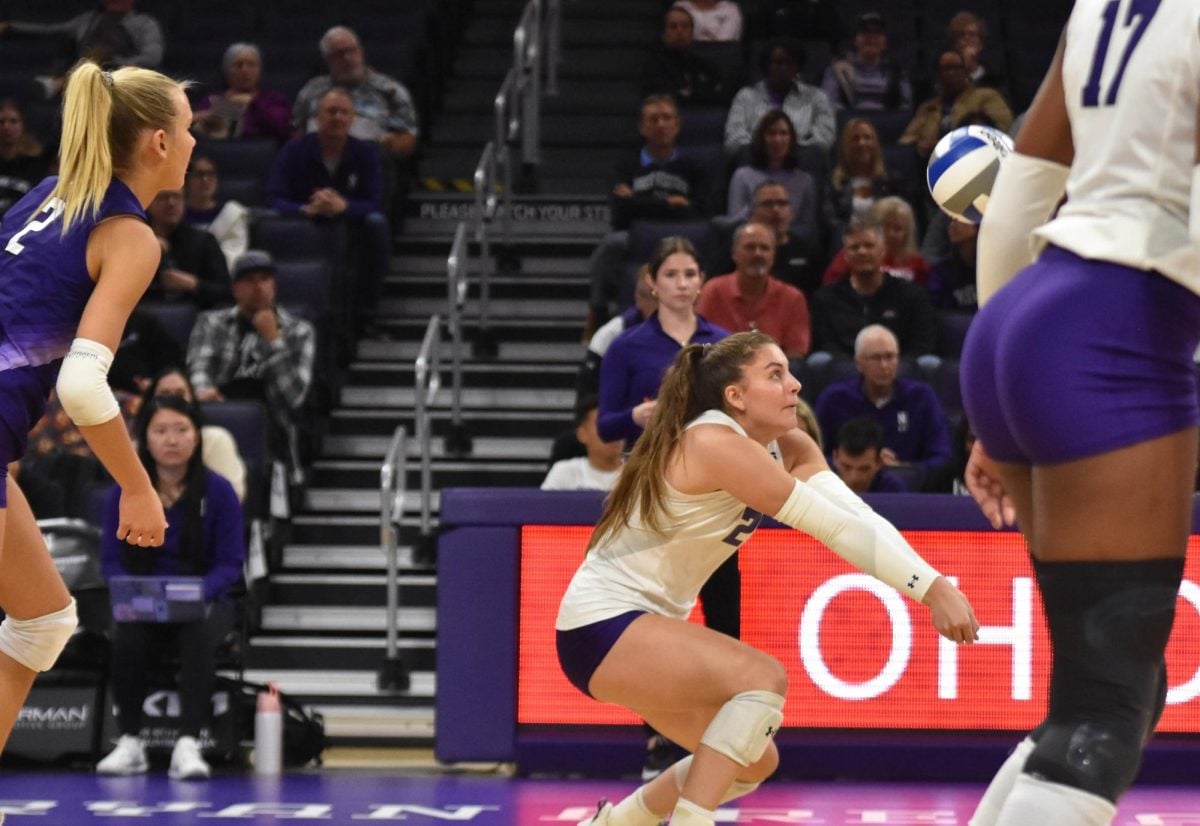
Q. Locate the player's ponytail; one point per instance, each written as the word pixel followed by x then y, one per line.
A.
pixel 695 382
pixel 104 114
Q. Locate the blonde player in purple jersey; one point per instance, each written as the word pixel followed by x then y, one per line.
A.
pixel 76 254
pixel 1079 382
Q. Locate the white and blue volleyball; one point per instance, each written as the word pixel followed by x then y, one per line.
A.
pixel 963 167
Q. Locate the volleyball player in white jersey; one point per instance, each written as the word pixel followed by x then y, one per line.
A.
pixel 722 449
pixel 1078 379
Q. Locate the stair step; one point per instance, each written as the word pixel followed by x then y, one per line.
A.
pixel 345 618
pixel 534 268
pixel 305 684
pixel 482 423
pixel 493 376
pixel 360 500
pixel 346 724
pixel 337 653
pixel 346 528
pixel 374 447
pixel 509 351
pixel 344 557
pixel 472 398
pixel 349 476
pixel 413 590
pixel 500 329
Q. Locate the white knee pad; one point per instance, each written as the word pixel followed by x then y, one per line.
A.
pixel 36 643
pixel 745 725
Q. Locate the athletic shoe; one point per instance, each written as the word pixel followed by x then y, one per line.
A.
pixel 658 758
pixel 129 757
pixel 186 762
pixel 603 812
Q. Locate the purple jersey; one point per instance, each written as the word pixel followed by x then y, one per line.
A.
pixel 44 286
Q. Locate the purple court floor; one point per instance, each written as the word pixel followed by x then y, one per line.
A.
pixel 359 797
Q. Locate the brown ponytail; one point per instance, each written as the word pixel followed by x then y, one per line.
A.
pixel 695 382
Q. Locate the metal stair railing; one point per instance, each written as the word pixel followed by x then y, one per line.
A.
pixel 458 439
pixel 393 674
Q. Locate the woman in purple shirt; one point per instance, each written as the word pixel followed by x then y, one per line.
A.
pixel 244 109
pixel 205 538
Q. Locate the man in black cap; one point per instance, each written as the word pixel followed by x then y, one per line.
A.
pixel 868 78
pixel 255 350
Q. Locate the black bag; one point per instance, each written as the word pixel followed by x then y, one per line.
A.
pixel 303 730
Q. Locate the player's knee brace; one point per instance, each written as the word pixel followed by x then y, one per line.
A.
pixel 1109 623
pixel 745 725
pixel 36 643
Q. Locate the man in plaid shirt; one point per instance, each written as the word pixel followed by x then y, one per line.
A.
pixel 255 350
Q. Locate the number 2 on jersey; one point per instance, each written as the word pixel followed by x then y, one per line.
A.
pixel 1144 11
pixel 749 521
pixel 53 210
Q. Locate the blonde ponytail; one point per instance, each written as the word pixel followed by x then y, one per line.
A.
pixel 104 114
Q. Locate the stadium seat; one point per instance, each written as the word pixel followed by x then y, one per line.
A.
pixel 290 238
pixel 645 235
pixel 245 158
pixel 703 125
pixel 951 332
pixel 247 422
pixel 177 318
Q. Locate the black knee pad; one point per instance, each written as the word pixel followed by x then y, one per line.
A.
pixel 1109 623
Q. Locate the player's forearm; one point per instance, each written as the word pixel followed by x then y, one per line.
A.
pixel 110 442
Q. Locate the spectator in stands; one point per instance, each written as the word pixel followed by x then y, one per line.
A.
pixel 811 113
pixel 330 175
pixel 949 478
pixel 900 255
pixel 634 364
pixel 867 77
pixel 750 298
pixel 112 35
pixel 598 469
pixel 957 99
pixel 715 20
pixel 146 349
pixel 858 458
pixel 860 176
pixel 656 184
pixel 244 109
pixel 23 162
pixel 587 382
pixel 192 267
pixel 773 157
pixel 870 296
pixel 204 539
pixel 914 427
pixel 966 34
pixel 952 280
pixel 383 108
pixel 227 221
pixel 673 67
pixel 798 257
pixel 256 350
pixel 219 450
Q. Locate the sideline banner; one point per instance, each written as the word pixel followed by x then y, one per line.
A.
pixel 858 654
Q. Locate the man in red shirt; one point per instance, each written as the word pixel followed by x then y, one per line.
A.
pixel 750 298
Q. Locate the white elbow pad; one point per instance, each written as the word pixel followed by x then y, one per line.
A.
pixel 83 383
pixel 1194 208
pixel 856 533
pixel 1023 197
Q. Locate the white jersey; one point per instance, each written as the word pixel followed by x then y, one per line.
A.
pixel 639 570
pixel 1131 72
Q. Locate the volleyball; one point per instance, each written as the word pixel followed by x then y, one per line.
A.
pixel 963 167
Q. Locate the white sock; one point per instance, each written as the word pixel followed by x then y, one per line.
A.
pixel 689 814
pixel 993 799
pixel 632 811
pixel 1040 801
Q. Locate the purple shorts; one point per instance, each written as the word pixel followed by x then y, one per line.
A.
pixel 23 393
pixel 582 649
pixel 1075 358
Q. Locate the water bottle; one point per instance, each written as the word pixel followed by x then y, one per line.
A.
pixel 268 733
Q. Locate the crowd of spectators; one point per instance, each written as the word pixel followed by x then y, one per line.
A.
pixel 814 225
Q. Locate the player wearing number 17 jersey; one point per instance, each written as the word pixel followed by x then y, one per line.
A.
pixel 76 254
pixel 1078 379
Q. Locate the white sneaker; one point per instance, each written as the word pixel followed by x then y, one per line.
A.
pixel 603 811
pixel 129 757
pixel 186 762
